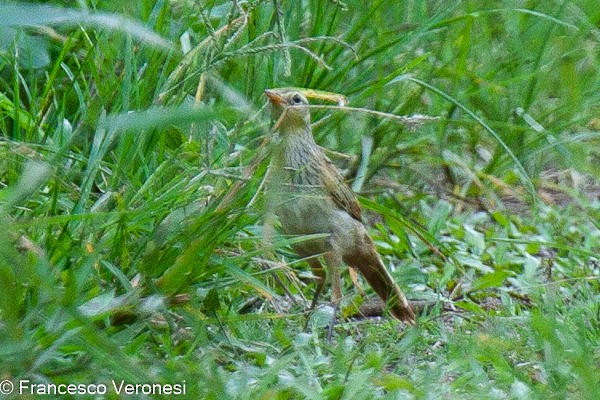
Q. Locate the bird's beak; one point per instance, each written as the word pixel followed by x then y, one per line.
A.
pixel 274 97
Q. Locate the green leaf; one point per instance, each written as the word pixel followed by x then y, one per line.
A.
pixel 392 382
pixel 211 302
pixel 502 219
pixel 469 306
pixel 495 279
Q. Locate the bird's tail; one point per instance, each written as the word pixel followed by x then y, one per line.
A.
pixel 374 271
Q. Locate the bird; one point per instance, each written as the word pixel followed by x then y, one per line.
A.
pixel 309 196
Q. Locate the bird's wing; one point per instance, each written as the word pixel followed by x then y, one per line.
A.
pixel 339 191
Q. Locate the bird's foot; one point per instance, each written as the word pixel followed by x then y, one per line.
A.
pixel 332 322
pixel 322 317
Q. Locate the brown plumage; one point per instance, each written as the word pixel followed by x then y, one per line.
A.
pixel 310 197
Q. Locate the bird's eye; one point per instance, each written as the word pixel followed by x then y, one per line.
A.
pixel 297 99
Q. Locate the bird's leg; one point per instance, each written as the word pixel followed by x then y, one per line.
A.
pixel 334 265
pixel 319 272
pixel 317 268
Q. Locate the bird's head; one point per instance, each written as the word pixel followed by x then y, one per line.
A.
pixel 290 109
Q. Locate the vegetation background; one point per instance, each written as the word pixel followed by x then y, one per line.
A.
pixel 131 241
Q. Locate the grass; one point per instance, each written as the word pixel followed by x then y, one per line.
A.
pixel 132 144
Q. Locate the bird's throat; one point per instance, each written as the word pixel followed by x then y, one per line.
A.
pixel 299 147
pixel 296 160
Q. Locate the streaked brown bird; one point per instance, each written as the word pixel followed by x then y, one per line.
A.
pixel 309 196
